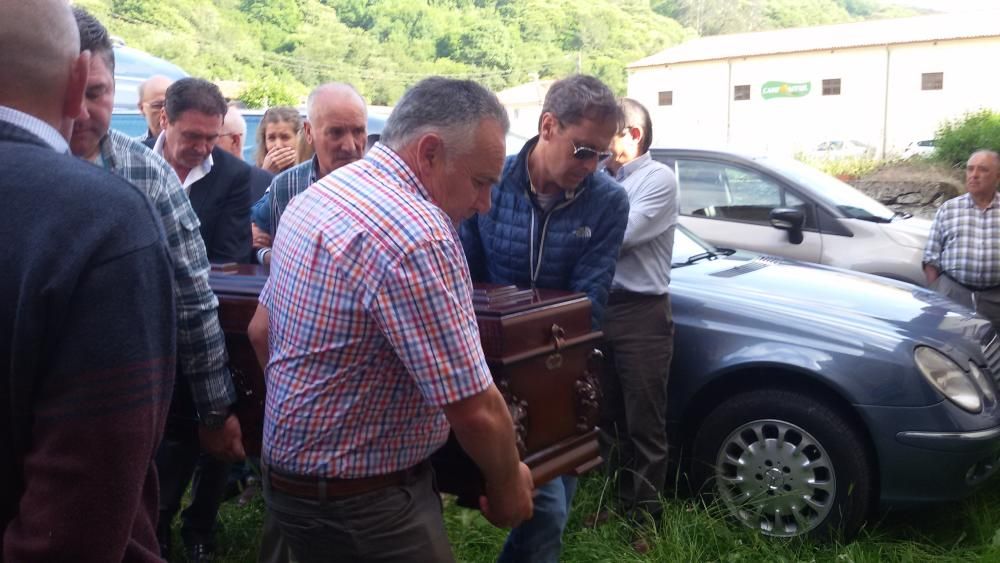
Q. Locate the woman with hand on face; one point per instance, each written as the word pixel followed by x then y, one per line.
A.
pixel 277 135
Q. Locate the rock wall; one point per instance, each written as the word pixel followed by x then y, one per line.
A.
pixel 918 189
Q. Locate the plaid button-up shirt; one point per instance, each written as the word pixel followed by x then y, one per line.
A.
pixel 266 213
pixel 964 242
pixel 201 345
pixel 372 328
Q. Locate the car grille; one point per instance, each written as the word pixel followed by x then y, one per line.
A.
pixel 991 350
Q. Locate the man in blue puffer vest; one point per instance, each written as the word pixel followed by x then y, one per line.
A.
pixel 555 224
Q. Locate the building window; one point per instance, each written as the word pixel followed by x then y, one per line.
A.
pixel 741 92
pixel 932 81
pixel 831 87
pixel 667 98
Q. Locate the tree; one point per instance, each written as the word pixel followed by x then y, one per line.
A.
pixel 267 93
pixel 956 140
pixel 283 14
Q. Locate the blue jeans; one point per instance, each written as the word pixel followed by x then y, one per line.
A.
pixel 540 539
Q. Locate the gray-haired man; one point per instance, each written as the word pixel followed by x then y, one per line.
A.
pixel 336 128
pixel 371 344
pixel 962 257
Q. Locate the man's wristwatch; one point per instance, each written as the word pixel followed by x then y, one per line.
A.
pixel 215 420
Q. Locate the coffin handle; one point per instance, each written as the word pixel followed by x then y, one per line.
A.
pixel 558 336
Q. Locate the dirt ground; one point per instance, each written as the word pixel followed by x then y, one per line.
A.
pixel 916 187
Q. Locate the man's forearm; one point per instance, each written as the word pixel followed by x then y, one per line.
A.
pixel 931 272
pixel 483 427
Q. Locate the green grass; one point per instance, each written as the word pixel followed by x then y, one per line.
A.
pixel 968 530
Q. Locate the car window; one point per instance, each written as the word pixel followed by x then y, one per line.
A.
pixel 722 191
pixel 847 199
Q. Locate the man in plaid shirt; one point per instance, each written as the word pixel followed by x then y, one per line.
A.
pixel 962 257
pixel 336 128
pixel 367 329
pixel 200 411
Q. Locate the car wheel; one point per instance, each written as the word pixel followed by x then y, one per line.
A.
pixel 785 464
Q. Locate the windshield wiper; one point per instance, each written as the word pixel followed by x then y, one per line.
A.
pixel 707 255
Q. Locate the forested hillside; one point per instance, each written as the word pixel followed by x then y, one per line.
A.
pixel 283 47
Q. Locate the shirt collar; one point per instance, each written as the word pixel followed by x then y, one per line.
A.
pixel 36 127
pixel 567 193
pixel 206 165
pixel 630 167
pixel 314 170
pixel 107 153
pixel 969 202
pixel 384 157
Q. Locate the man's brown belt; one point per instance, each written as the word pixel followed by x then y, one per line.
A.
pixel 316 487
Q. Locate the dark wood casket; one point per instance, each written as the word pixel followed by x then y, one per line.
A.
pixel 540 350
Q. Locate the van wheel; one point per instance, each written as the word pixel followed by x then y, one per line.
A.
pixel 785 464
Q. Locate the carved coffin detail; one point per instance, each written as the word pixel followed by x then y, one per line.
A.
pixel 588 393
pixel 518 415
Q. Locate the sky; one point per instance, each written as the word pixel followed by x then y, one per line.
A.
pixel 949 5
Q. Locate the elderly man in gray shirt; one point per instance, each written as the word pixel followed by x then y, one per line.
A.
pixel 638 328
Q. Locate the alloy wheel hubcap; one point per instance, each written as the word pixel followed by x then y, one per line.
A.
pixel 775 477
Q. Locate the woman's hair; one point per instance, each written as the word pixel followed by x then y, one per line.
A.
pixel 280 114
pixel 303 149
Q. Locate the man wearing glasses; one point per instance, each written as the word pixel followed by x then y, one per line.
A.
pixel 555 224
pixel 151 101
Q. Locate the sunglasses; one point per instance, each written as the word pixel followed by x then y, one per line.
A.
pixel 587 153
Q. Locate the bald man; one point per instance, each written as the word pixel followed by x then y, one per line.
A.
pixel 962 255
pixel 86 317
pixel 152 98
pixel 233 133
pixel 337 128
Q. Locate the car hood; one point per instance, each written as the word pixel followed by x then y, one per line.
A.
pixel 800 301
pixel 911 232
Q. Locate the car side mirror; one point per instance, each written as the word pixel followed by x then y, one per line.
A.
pixel 789 219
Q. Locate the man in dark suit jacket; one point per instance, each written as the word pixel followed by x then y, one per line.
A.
pixel 86 317
pixel 219 187
pixel 217 182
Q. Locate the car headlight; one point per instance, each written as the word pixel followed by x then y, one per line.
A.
pixel 949 378
pixel 984 383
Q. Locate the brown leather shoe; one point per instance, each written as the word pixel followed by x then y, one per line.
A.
pixel 598 518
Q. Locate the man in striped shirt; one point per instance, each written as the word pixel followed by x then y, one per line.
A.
pixel 367 329
pixel 962 256
pixel 337 128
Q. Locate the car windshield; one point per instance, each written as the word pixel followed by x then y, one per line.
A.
pixel 688 249
pixel 846 198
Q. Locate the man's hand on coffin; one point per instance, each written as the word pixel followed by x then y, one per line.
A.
pixel 261 238
pixel 226 442
pixel 506 505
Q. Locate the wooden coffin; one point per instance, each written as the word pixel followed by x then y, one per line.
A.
pixel 540 350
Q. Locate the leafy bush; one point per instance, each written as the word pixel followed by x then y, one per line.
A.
pixel 848 167
pixel 266 93
pixel 956 140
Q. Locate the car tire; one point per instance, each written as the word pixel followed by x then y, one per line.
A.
pixel 786 464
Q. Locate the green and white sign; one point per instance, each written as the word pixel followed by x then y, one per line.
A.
pixel 775 89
